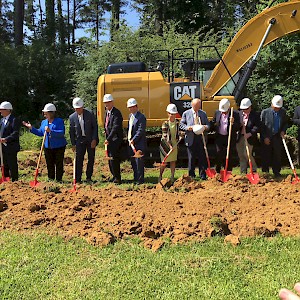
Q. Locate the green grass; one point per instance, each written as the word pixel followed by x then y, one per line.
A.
pixel 44 267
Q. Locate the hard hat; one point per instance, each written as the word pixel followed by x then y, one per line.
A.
pixel 131 102
pixel 108 98
pixel 198 129
pixel 49 107
pixel 224 105
pixel 77 102
pixel 6 105
pixel 277 101
pixel 245 103
pixel 172 109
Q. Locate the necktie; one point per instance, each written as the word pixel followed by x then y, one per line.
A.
pixel 81 122
pixel 130 126
pixel 2 127
pixel 107 120
pixel 196 118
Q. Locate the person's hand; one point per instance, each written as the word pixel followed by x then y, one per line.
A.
pixel 282 134
pixel 190 128
pixel 106 142
pixel 27 124
pixel 267 141
pixel 74 148
pixel 285 294
pixel 47 129
pixel 247 135
pixel 93 144
pixel 3 140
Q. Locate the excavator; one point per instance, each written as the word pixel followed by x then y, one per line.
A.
pixel 210 80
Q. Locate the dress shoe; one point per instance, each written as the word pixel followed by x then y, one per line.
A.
pixel 117 181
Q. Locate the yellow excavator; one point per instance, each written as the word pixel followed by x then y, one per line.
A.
pixel 210 80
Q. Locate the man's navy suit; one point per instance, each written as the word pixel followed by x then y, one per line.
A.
pixel 11 133
pixel 114 136
pixel 138 136
pixel 83 143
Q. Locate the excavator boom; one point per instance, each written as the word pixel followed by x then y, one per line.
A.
pixel 285 18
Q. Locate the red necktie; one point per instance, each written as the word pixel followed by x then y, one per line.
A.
pixel 107 120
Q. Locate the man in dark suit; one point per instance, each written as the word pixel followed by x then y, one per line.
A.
pixel 220 124
pixel 191 119
pixel 250 126
pixel 296 121
pixel 274 125
pixel 113 127
pixel 136 136
pixel 84 138
pixel 9 139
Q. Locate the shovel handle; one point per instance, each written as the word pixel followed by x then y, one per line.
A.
pixel 288 153
pixel 229 133
pixel 133 148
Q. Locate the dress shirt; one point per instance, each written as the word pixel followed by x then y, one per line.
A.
pixel 131 119
pixel 81 122
pixel 223 129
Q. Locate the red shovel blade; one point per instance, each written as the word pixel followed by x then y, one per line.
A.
pixel 210 172
pixel 225 175
pixel 295 180
pixel 4 179
pixel 74 187
pixel 34 183
pixel 253 178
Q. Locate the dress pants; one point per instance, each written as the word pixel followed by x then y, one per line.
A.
pixel 243 156
pixel 114 151
pixel 221 142
pixel 271 154
pixel 10 164
pixel 81 149
pixel 196 152
pixel 55 162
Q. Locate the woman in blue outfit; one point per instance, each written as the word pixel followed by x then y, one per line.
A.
pixel 55 142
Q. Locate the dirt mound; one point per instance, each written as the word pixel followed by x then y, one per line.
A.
pixel 188 210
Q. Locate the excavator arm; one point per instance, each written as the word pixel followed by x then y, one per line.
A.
pixel 266 27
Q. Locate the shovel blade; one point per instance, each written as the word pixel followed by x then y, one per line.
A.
pixel 137 155
pixel 210 172
pixel 34 183
pixel 225 175
pixel 295 180
pixel 253 178
pixel 4 179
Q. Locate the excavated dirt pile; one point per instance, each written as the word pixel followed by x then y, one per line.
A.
pixel 187 210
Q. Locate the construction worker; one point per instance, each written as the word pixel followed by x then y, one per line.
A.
pixel 136 136
pixel 296 121
pixel 84 138
pixel 55 141
pixel 113 127
pixel 9 139
pixel 250 126
pixel 194 122
pixel 274 125
pixel 221 124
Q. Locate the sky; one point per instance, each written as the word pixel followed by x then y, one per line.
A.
pixel 131 16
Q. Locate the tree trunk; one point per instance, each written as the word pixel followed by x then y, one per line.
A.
pixel 19 19
pixel 61 26
pixel 115 17
pixel 50 22
pixel 74 22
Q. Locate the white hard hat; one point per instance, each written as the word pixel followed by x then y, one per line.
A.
pixel 77 102
pixel 49 107
pixel 245 103
pixel 131 102
pixel 108 98
pixel 224 105
pixel 198 129
pixel 6 105
pixel 172 109
pixel 277 101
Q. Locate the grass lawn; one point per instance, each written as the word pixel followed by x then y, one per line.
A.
pixel 37 266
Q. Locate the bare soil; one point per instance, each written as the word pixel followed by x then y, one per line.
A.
pixel 186 211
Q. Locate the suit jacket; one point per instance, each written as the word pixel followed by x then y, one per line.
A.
pixel 253 126
pixel 215 123
pixel 296 120
pixel 114 132
pixel 90 128
pixel 11 133
pixel 187 120
pixel 267 122
pixel 138 132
